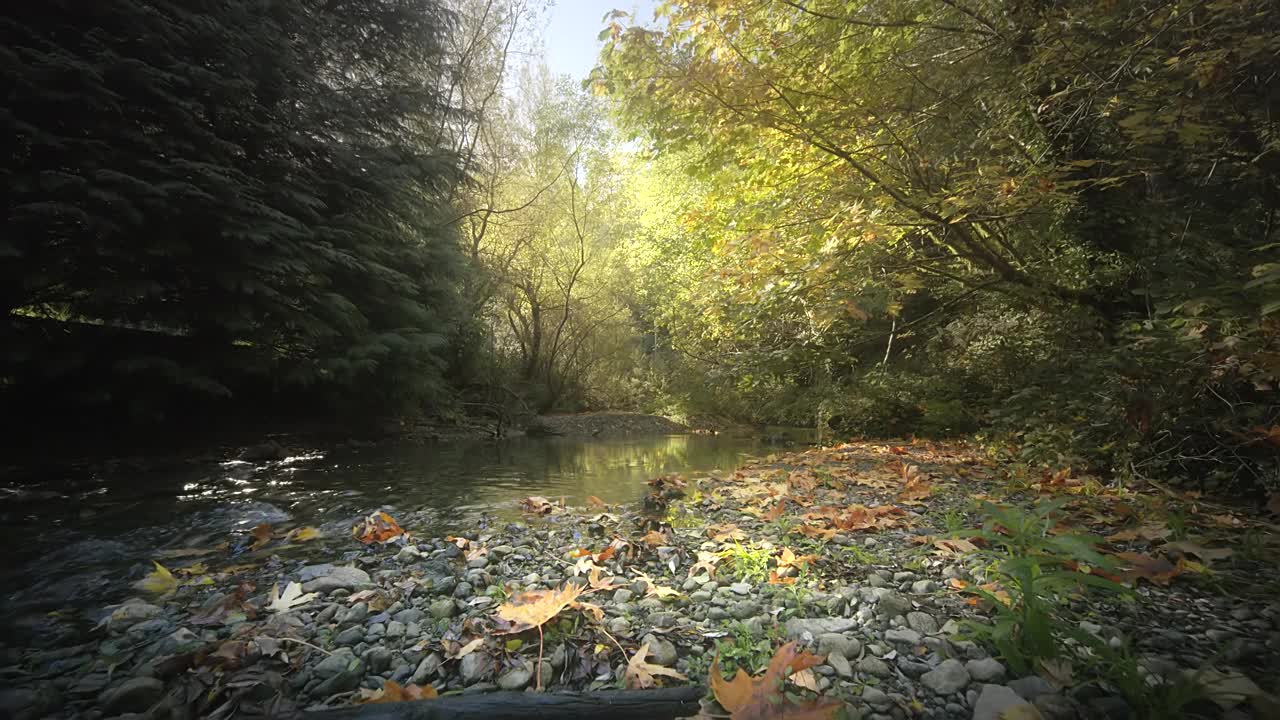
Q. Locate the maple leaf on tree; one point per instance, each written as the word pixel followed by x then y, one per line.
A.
pixel 761 698
pixel 642 675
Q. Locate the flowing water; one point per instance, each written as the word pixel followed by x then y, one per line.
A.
pixel 74 540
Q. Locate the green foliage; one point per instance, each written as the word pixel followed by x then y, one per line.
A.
pixel 749 564
pixel 1039 571
pixel 743 649
pixel 853 210
pixel 261 180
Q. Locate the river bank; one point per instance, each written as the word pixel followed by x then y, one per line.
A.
pixel 853 551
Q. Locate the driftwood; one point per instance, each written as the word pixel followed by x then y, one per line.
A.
pixel 659 704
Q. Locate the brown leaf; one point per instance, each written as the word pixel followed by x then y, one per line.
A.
pixel 788 558
pixel 706 561
pixel 761 698
pixel 595 502
pixel 1273 503
pixel 1187 547
pixel 261 536
pixel 724 532
pixel 653 538
pixel 1156 569
pixel 538 505
pixel 641 675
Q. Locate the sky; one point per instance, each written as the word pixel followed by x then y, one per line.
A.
pixel 570 39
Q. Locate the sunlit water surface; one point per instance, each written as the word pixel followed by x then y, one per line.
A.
pixel 76 540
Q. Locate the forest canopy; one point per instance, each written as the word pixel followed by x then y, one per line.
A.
pixel 1045 222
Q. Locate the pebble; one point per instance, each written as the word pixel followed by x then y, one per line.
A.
pixel 997 702
pixel 987 670
pixel 1031 687
pixel 949 677
pixel 475 667
pixel 838 644
pixel 443 608
pixel 797 627
pixel 336 578
pixel 924 587
pixel 841 665
pixel 517 677
pixel 740 588
pixel 743 609
pixel 902 635
pixel 661 652
pixel 873 666
pixel 922 622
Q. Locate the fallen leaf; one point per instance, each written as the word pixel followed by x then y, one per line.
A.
pixel 538 505
pixel 531 609
pixel 954 547
pixel 761 698
pixel 464 650
pixel 725 532
pixel 805 679
pixel 1188 547
pixel 290 598
pixel 392 691
pixel 1058 672
pixel 596 502
pixel 653 538
pixel 788 558
pixel 1227 690
pixel 159 581
pixel 706 561
pixel 776 579
pixel 1155 569
pixel 303 534
pixel 652 588
pixel 378 528
pixel 261 536
pixel 641 675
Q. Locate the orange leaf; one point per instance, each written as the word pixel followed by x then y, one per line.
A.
pixel 776 579
pixel 377 528
pixel 261 536
pixel 596 502
pixel 761 698
pixel 393 691
pixel 653 538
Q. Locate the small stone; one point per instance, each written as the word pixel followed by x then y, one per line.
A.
pixel 395 629
pixel 661 652
pixel 922 622
pixel 344 578
pixel 743 609
pixel 1056 707
pixel 622 595
pixel 341 659
pixel 475 667
pixel 133 695
pixel 517 677
pixel 701 596
pixel 740 588
pixel 378 659
pixel 873 666
pixel 875 697
pixel 427 668
pixel 477 563
pixel 463 590
pixel 841 665
pixel 997 702
pixel 924 587
pixel 949 677
pixel 987 670
pixel 902 635
pixel 893 604
pixel 443 608
pixel 796 627
pixel 350 636
pixel 663 620
pixel 837 644
pixel 408 554
pixel 410 615
pixel 1031 687
pixel 620 626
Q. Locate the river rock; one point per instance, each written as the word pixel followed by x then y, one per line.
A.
pixel 838 644
pixel 873 666
pixel 351 636
pixel 661 652
pixel 133 695
pixel 841 665
pixel 378 658
pixel 337 578
pixel 1031 686
pixel 743 609
pixel 986 670
pixel 427 668
pixel 922 622
pixel 341 659
pixel 795 628
pixel 893 604
pixel 949 677
pixel 997 702
pixel 902 635
pixel 475 667
pixel 443 608
pixel 517 677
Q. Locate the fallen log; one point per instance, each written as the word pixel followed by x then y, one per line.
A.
pixel 659 704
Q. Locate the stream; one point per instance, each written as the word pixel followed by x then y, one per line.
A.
pixel 75 540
